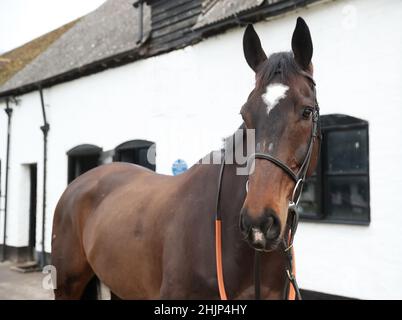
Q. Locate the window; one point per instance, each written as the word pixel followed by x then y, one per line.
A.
pixel 136 151
pixel 81 159
pixel 339 189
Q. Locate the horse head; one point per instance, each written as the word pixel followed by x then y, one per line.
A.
pixel 283 111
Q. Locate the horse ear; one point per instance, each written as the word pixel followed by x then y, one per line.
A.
pixel 302 46
pixel 253 51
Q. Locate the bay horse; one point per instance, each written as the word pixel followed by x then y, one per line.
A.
pixel 151 236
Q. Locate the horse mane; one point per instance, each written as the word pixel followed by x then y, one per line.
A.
pixel 228 142
pixel 228 147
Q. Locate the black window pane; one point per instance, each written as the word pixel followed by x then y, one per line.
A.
pixel 142 155
pixel 127 155
pixel 143 158
pixel 309 204
pixel 348 198
pixel 347 151
pixel 78 165
pixel 88 162
pixel 135 155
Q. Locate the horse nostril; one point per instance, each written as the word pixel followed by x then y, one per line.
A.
pixel 262 230
pixel 272 227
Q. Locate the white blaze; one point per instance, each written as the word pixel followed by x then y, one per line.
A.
pixel 258 235
pixel 273 94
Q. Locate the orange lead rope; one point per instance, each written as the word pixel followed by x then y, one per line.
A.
pixel 219 267
pixel 218 246
pixel 292 292
pixel 218 251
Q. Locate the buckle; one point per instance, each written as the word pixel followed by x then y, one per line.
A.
pixel 290 275
pixel 294 201
pixel 288 248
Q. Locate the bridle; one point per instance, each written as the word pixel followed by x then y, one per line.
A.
pixel 293 216
pixel 300 176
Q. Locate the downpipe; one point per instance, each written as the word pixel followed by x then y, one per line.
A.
pixel 140 4
pixel 9 112
pixel 45 129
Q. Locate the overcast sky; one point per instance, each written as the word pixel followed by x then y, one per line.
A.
pixel 24 20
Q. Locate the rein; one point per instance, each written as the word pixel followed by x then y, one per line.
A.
pixel 293 216
pixel 218 234
pixel 287 249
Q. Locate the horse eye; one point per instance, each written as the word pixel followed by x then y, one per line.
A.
pixel 307 112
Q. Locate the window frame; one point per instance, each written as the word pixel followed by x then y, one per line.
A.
pixel 322 193
pixel 77 154
pixel 134 147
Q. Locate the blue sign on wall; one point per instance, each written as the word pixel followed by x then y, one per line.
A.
pixel 179 166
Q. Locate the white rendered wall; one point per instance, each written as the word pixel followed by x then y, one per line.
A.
pixel 25 148
pixel 3 139
pixel 188 100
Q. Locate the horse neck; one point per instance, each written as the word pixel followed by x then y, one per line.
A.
pixel 233 184
pixel 238 257
pixel 236 253
pixel 233 188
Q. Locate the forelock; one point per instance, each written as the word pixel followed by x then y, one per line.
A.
pixel 281 64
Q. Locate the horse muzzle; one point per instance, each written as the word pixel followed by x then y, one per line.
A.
pixel 263 231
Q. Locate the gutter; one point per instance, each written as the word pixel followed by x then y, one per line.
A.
pixel 45 129
pixel 89 69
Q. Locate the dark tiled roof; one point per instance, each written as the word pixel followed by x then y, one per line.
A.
pixel 217 10
pixel 108 36
pixel 110 30
pixel 219 15
pixel 13 61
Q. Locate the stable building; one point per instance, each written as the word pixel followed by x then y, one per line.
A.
pixel 170 77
